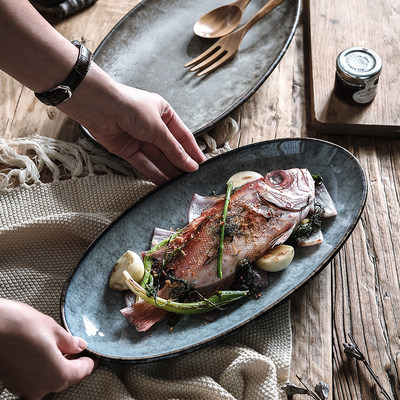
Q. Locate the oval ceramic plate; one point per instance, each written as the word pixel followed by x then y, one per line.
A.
pixel 90 309
pixel 149 47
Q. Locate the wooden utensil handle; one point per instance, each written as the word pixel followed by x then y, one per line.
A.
pixel 260 14
pixel 241 4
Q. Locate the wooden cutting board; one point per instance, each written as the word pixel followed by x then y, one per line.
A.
pixel 335 25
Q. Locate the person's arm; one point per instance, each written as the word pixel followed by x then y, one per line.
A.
pixel 37 354
pixel 138 126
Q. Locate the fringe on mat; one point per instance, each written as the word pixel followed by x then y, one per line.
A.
pixel 22 160
pixel 217 141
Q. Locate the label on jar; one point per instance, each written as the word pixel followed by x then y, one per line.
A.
pixel 365 95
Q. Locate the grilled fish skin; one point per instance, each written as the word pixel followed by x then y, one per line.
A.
pixel 262 214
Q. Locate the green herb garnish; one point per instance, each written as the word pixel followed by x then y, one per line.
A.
pixel 310 224
pixel 219 300
pixel 221 240
pixel 318 179
pixel 147 280
pixel 245 278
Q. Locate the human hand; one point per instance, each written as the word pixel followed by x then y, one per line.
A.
pixel 138 126
pixel 37 355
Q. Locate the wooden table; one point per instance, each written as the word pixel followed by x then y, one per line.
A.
pixel 358 292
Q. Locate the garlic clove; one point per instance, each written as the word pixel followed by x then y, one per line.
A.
pixel 276 259
pixel 242 177
pixel 131 262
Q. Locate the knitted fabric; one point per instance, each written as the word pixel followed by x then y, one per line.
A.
pixel 45 228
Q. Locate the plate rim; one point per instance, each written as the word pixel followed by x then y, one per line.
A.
pixel 272 306
pixel 211 124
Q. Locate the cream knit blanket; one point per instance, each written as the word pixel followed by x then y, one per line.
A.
pixel 45 228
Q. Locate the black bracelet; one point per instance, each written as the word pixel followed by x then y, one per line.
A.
pixel 63 91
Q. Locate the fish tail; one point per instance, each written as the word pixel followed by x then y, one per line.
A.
pixel 143 315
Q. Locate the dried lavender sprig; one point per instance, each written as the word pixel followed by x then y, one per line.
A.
pixel 321 390
pixel 310 392
pixel 352 350
pixel 291 389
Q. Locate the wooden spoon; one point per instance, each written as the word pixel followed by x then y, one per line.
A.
pixel 220 21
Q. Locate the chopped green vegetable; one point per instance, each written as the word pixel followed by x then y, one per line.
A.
pixel 318 179
pixel 221 240
pixel 217 301
pixel 147 280
pixel 311 224
pixel 245 278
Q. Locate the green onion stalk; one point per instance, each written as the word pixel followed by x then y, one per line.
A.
pixel 217 301
pixel 221 240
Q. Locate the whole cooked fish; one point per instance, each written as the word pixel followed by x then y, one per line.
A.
pixel 261 215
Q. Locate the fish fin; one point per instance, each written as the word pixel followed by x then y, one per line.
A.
pixel 201 203
pixel 283 236
pixel 323 197
pixel 315 238
pixel 160 234
pixel 143 315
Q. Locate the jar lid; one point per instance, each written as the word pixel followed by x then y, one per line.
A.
pixel 358 65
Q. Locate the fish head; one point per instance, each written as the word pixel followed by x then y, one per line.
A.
pixel 292 189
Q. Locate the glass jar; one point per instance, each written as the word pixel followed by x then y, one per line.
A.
pixel 357 75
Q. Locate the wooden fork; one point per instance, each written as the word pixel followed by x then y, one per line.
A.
pixel 227 46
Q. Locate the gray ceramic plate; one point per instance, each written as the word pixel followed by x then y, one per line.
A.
pixel 149 47
pixel 91 310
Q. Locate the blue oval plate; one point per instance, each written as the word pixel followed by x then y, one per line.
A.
pixel 90 309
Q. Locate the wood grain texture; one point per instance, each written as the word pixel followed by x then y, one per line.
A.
pixel 335 25
pixel 359 291
pixel 366 299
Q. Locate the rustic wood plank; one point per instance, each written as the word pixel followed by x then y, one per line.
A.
pixel 335 25
pixel 311 330
pixel 365 279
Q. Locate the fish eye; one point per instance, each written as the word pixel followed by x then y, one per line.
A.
pixel 277 178
pixel 280 179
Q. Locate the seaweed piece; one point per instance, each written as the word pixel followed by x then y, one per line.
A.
pixel 246 278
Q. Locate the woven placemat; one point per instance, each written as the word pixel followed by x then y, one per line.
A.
pixel 45 228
